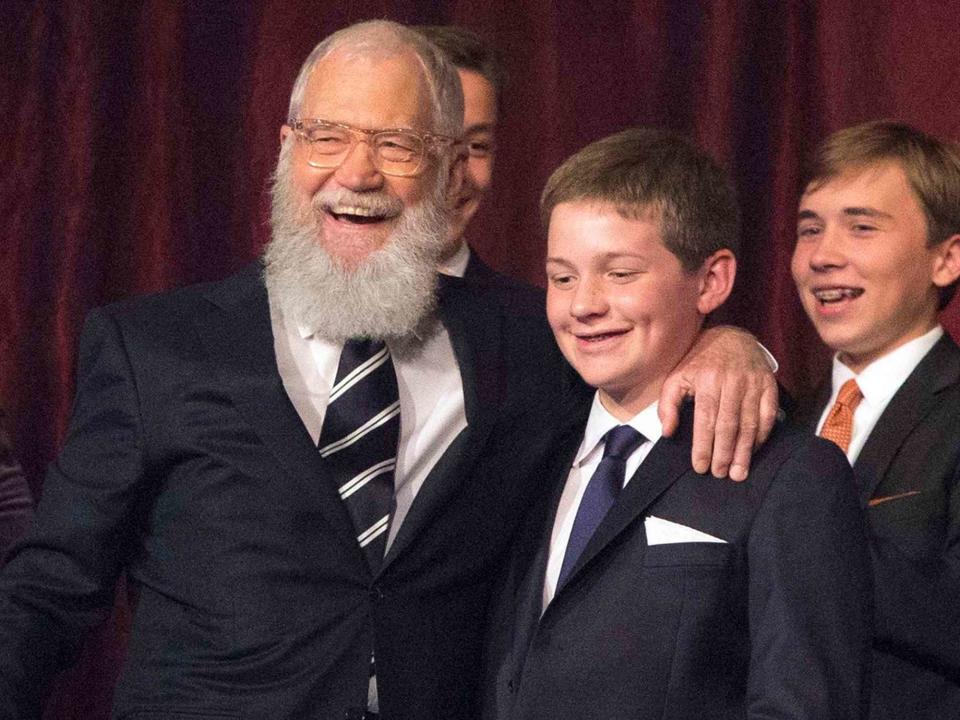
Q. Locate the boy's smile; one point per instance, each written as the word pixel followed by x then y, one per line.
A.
pixel 622 307
pixel 861 263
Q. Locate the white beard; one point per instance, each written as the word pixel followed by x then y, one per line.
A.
pixel 390 295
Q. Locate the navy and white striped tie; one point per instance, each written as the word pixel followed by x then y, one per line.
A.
pixel 358 441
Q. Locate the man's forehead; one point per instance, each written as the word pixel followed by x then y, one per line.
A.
pixel 369 89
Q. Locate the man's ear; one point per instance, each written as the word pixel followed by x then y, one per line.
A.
pixel 458 169
pixel 716 280
pixel 946 262
pixel 285 131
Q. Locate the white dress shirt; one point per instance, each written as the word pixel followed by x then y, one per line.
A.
pixel 878 382
pixel 585 463
pixel 431 398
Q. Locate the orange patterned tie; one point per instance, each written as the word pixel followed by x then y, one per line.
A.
pixel 838 426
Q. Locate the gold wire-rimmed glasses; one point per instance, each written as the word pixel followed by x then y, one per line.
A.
pixel 399 152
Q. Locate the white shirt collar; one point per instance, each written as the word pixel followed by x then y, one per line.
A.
pixel 600 422
pixel 881 379
pixel 456 266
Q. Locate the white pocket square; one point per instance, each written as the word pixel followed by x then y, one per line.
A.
pixel 662 532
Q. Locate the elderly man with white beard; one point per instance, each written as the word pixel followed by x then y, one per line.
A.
pixel 307 471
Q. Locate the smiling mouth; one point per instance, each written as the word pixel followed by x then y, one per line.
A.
pixel 356 215
pixel 829 296
pixel 599 337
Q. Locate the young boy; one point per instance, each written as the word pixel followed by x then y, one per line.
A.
pixel 642 589
pixel 877 256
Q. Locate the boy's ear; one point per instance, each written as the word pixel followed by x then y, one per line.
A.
pixel 946 263
pixel 716 280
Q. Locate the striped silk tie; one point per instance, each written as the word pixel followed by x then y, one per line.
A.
pixel 358 441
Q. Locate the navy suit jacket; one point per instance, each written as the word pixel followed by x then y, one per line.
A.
pixel 908 473
pixel 772 623
pixel 187 467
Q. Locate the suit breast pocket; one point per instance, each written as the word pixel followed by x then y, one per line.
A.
pixel 689 554
pixel 916 522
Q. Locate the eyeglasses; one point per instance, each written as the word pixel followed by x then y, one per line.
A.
pixel 397 152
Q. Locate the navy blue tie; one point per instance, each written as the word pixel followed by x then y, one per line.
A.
pixel 358 440
pixel 601 493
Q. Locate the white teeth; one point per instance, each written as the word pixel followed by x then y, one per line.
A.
pixel 829 295
pixel 837 294
pixel 352 210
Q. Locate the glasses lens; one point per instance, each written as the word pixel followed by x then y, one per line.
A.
pixel 327 144
pixel 398 152
pixel 326 140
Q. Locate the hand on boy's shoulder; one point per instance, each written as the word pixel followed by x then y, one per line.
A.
pixel 729 375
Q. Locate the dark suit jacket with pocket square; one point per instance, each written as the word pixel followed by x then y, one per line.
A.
pixel 772 622
pixel 908 474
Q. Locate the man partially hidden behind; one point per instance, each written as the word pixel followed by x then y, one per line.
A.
pixel 482 77
pixel 306 470
pixel 645 590
pixel 877 256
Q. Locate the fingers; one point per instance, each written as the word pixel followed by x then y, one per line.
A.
pixel 733 414
pixel 755 416
pixel 733 393
pixel 668 409
pixel 769 408
pixel 705 419
pixel 736 401
pixel 747 435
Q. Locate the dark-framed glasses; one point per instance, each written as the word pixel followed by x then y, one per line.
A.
pixel 398 152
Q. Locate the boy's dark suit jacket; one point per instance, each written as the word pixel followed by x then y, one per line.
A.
pixel 908 473
pixel 773 623
pixel 187 466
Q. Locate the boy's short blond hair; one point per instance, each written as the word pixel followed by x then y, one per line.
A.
pixel 644 169
pixel 932 168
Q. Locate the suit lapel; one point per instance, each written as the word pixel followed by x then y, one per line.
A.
pixel 238 334
pixel 809 409
pixel 560 472
pixel 666 462
pixel 528 592
pixel 939 369
pixel 475 333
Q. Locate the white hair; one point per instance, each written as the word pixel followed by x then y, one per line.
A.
pixel 385 39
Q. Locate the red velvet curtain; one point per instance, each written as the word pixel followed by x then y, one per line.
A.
pixel 137 139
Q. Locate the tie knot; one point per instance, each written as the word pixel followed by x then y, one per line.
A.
pixel 362 348
pixel 621 441
pixel 850 395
